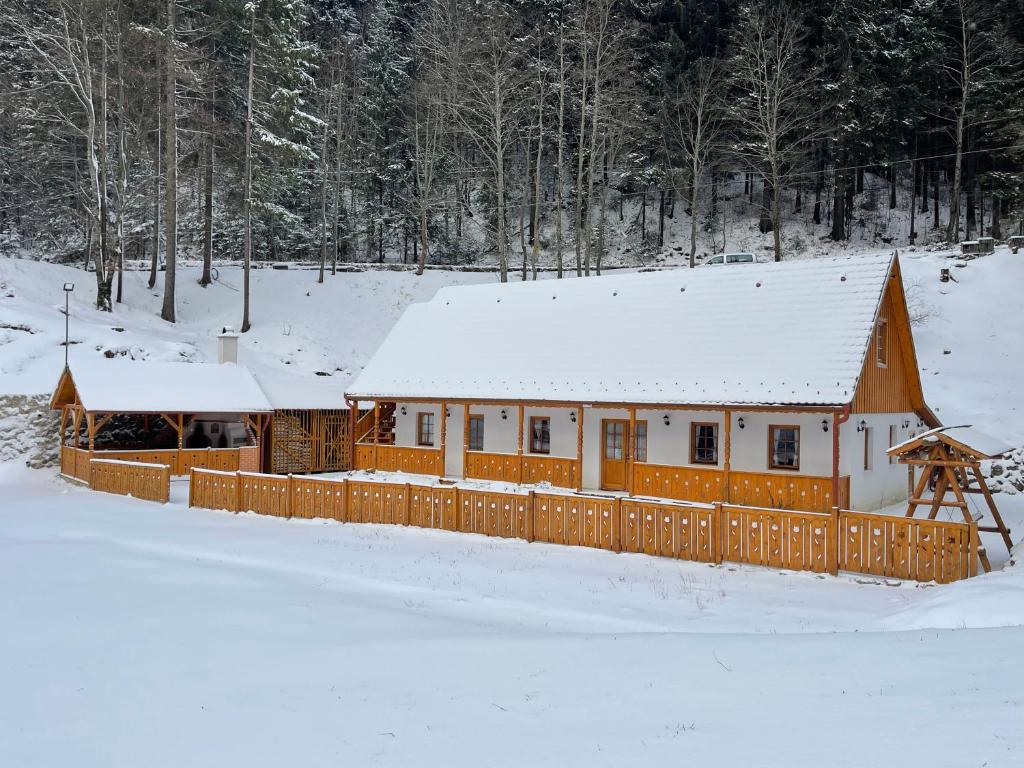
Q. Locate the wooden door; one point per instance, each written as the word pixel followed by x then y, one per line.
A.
pixel 614 438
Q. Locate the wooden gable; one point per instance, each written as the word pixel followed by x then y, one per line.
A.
pixel 895 386
pixel 65 393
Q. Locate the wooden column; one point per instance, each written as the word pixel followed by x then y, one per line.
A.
pixel 353 414
pixel 465 440
pixel 630 450
pixel 727 455
pixel 579 447
pixel 444 434
pixel 519 443
pixel 90 426
pixel 376 430
pixel 835 460
pixel 76 417
pixel 181 431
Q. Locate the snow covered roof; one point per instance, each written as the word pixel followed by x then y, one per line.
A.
pixel 778 333
pixel 320 393
pixel 145 386
pixel 978 442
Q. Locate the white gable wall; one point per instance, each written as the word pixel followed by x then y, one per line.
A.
pixel 884 483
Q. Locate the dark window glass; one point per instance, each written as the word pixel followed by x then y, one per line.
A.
pixel 704 443
pixel 476 433
pixel 785 448
pixel 540 434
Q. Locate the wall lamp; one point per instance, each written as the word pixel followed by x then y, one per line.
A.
pixel 447 413
pixel 906 423
pixel 667 420
pixel 572 416
pixel 504 414
pixel 862 425
pixel 824 425
pixel 403 410
pixel 739 422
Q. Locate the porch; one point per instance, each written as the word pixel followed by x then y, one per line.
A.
pixel 668 452
pixel 180 442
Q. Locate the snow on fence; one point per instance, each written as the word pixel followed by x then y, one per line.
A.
pixel 131 478
pixel 907 548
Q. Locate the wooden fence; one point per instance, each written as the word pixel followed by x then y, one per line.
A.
pixel 923 550
pixel 131 478
pixel 906 547
pixel 75 461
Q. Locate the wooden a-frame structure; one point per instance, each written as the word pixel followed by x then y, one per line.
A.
pixel 949 464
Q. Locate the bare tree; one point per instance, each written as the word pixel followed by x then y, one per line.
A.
pixel 695 122
pixel 974 56
pixel 489 108
pixel 170 164
pixel 247 176
pixel 779 103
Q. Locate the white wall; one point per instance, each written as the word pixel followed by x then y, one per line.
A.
pixel 499 434
pixel 563 430
pixel 750 444
pixel 454 435
pixel 405 425
pixel 884 483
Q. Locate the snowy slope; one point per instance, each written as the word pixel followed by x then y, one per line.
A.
pixel 158 635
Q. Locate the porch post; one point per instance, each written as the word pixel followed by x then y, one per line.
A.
pixel 579 447
pixel 519 444
pixel 630 450
pixel 465 439
pixel 835 460
pixel 727 456
pixel 376 430
pixel 90 425
pixel 353 414
pixel 444 435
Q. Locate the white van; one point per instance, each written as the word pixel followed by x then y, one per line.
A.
pixel 730 258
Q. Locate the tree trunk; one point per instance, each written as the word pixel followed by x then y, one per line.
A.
pixel 819 183
pixel 996 230
pixel 171 186
pixel 247 180
pixel 892 187
pixel 839 232
pixel 157 175
pixel 122 163
pixel 206 277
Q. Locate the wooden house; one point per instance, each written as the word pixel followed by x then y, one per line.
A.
pixel 206 415
pixel 776 385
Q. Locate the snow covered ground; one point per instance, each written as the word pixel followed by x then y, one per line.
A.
pixel 146 634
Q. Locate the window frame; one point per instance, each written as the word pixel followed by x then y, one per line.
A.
pixel 420 441
pixel 636 440
pixel 694 429
pixel 475 417
pixel 771 447
pixel 882 343
pixel 533 449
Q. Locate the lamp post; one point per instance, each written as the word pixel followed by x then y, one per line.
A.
pixel 68 288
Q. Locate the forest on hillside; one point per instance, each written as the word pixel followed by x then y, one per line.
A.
pixel 492 131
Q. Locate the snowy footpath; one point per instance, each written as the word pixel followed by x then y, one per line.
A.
pixel 140 634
